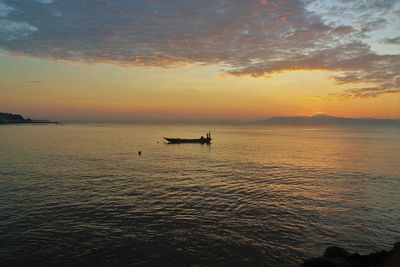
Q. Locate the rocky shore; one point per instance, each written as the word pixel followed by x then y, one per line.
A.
pixel 339 257
pixel 9 118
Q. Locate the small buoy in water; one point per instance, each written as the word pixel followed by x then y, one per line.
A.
pixel 139 153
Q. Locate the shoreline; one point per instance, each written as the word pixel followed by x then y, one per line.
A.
pixel 339 257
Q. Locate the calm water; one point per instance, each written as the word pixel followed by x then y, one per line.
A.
pixel 258 196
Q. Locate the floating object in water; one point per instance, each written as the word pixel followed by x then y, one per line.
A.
pixel 200 140
pixel 139 153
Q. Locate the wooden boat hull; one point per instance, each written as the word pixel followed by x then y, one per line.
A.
pixel 183 141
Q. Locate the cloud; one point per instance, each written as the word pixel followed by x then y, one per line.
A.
pixel 45 1
pixel 394 41
pixel 5 9
pixel 343 30
pixel 257 38
pixel 12 30
pixel 34 81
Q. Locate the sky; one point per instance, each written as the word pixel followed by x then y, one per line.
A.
pixel 126 60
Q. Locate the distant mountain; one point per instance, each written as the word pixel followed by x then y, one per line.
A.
pixel 9 118
pixel 327 120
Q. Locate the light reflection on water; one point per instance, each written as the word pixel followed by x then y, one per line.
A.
pixel 257 195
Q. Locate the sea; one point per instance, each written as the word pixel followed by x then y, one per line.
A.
pixel 81 195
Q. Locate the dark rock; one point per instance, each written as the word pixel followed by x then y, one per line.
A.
pixel 336 252
pixel 9 118
pixel 393 257
pixel 339 257
pixel 318 262
pixel 336 255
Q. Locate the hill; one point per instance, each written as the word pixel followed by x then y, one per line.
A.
pixel 9 118
pixel 327 120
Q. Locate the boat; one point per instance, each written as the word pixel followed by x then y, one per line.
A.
pixel 201 140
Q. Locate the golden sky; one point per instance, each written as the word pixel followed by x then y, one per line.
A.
pixel 168 62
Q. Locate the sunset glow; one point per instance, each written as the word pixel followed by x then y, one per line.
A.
pixel 236 60
pixel 200 133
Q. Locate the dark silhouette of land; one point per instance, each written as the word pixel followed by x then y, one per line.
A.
pixel 339 257
pixel 9 118
pixel 327 120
